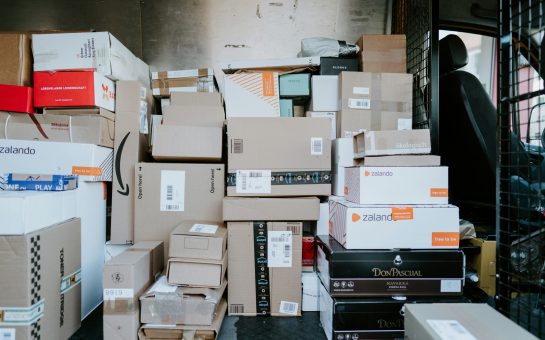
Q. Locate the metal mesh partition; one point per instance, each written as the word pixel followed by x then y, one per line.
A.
pixel 521 180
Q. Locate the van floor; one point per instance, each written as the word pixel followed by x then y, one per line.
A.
pixel 240 328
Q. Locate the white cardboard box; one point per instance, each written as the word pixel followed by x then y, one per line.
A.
pixel 322 225
pixel 328 115
pixel 325 93
pixel 92 163
pixel 392 142
pixel 252 95
pixel 311 293
pixel 343 156
pixel 396 185
pixel 326 311
pixel 283 63
pixel 358 226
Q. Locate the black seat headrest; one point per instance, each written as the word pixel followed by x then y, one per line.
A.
pixel 452 54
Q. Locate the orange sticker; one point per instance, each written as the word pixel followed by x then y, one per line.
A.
pixel 86 171
pixel 445 239
pixel 439 192
pixel 268 84
pixel 400 214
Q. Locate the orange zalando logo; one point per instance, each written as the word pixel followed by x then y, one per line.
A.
pixel 367 173
pixel 86 171
pixel 355 217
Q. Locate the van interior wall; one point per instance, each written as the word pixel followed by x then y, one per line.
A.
pixel 177 34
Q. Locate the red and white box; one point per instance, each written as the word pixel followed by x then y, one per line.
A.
pixel 73 89
pixel 16 99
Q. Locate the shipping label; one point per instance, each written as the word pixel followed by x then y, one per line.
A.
pixel 358 103
pixel 7 333
pixel 289 308
pixel 204 228
pixel 316 146
pixel 279 251
pixel 450 329
pixel 253 182
pixel 172 190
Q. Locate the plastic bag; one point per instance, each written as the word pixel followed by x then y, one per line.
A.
pixel 327 47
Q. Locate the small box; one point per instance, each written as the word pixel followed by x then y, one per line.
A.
pixel 176 74
pixel 334 65
pixel 165 87
pixel 382 143
pixel 382 53
pixel 252 95
pixel 21 182
pixel 286 107
pixel 199 240
pixel 311 292
pixel 85 89
pixel 309 254
pixel 484 263
pixel 295 85
pixel 325 93
pixel 196 272
pixel 16 60
pixel 193 143
pixel 16 98
pixel 328 115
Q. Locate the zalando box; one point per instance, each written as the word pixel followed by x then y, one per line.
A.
pixel 358 226
pixel 252 95
pixel 397 185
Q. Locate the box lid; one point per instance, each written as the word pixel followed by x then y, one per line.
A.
pixel 271 209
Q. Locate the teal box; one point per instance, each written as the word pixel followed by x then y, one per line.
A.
pixel 286 107
pixel 295 85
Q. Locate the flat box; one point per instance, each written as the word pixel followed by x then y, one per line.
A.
pixel 196 99
pixel 383 53
pixel 276 288
pixel 157 255
pixel 168 194
pixel 436 321
pixel 384 143
pixel 90 162
pixel 168 305
pixel 286 107
pixel 325 93
pixel 196 272
pixel 252 95
pixel 271 209
pixel 332 66
pixel 41 282
pixel 342 150
pixel 347 272
pixel 294 84
pixel 261 162
pixel 20 182
pixel 192 143
pixel 95 129
pixel 15 59
pixel 98 51
pixel 311 292
pixel 327 115
pixel 200 72
pixel 284 64
pixel 16 98
pixel 484 264
pixel 199 240
pixel 134 104
pixel 197 115
pixel 397 185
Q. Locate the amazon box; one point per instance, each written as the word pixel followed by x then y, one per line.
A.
pixel 199 240
pixel 15 59
pixel 484 263
pixel 383 53
pixel 192 143
pixel 196 272
pixel 157 254
pixel 252 95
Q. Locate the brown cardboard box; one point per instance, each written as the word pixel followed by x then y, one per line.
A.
pixel 201 115
pixel 187 143
pixel 15 59
pixel 153 332
pixel 374 101
pixel 271 209
pixel 195 99
pixel 95 129
pixel 263 161
pixel 196 272
pixel 383 53
pixel 157 254
pixel 199 240
pixel 485 265
pixel 166 304
pixel 134 105
pixel 41 282
pixel 169 193
pixel 392 142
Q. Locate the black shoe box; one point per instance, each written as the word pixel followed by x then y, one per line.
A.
pixel 332 66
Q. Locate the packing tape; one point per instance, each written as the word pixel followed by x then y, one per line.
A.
pixel 6 127
pixel 120 306
pixel 169 308
pixel 262 275
pixel 20 316
pixel 70 281
pixel 291 178
pixel 70 128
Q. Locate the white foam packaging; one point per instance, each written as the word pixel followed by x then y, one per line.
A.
pixel 311 293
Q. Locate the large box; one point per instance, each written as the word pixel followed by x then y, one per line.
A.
pixel 335 65
pixel 391 142
pixel 358 226
pixel 437 321
pixel 199 240
pixel 168 194
pixel 397 185
pixel 196 272
pixel 95 129
pixel 484 264
pixel 383 53
pixel 193 143
pixel 252 95
pixel 16 98
pixel 263 162
pixel 98 51
pixel 41 282
pixel 347 272
pixel 15 59
pixel 325 93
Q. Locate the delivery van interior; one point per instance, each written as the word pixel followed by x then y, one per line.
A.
pixel 244 169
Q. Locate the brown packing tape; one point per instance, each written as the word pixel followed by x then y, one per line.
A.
pixel 376 100
pixel 178 82
pixel 120 306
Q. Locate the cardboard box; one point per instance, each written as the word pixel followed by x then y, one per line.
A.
pixel 98 51
pixel 193 73
pixel 484 264
pixel 382 53
pixel 20 182
pixel 263 163
pixel 134 107
pixel 328 115
pixel 436 321
pixel 383 143
pixel 60 89
pixel 342 150
pixel 394 227
pixel 196 99
pixel 168 194
pixel 374 101
pixel 165 87
pixel 397 185
pixel 286 107
pixel 252 95
pixel 196 272
pixel 16 98
pixel 294 85
pixel 400 161
pixel 271 209
pixel 193 143
pixel 325 93
pixel 166 304
pixel 88 161
pixel 88 129
pixel 41 276
pixel 311 292
pixel 15 59
pixel 298 110
pixel 347 272
pixel 194 115
pixel 157 255
pixel 332 66
pixel 199 240
pixel 111 250
pixel 280 65
pixel 309 252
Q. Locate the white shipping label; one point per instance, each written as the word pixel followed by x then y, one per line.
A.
pixel 144 124
pixel 204 228
pixel 316 146
pixel 450 330
pixel 172 190
pixel 289 308
pixel 7 333
pixel 253 182
pixel 117 293
pixel 451 286
pixel 279 249
pixel 357 103
pixel 404 124
pixel 360 90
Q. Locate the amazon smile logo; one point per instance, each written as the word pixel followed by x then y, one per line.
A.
pixel 124 190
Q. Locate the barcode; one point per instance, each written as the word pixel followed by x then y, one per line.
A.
pixel 279 239
pixel 287 250
pixel 172 207
pixel 359 103
pixel 244 181
pixel 237 145
pixel 316 146
pixel 288 307
pixel 236 309
pixel 256 174
pixel 170 192
pixel 295 229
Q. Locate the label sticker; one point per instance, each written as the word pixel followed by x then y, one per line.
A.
pixel 253 182
pixel 450 330
pixel 362 104
pixel 22 316
pixel 316 146
pixel 268 84
pixel 279 249
pixel 400 214
pixel 445 239
pixel 404 124
pixel 87 171
pixel 204 228
pixel 289 308
pixel 172 190
pixel 70 281
pixel 117 293
pixel 144 124
pixel 360 90
pixel 439 192
pixel 7 333
pixel 451 286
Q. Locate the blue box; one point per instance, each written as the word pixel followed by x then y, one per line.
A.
pixel 20 182
pixel 295 85
pixel 286 107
